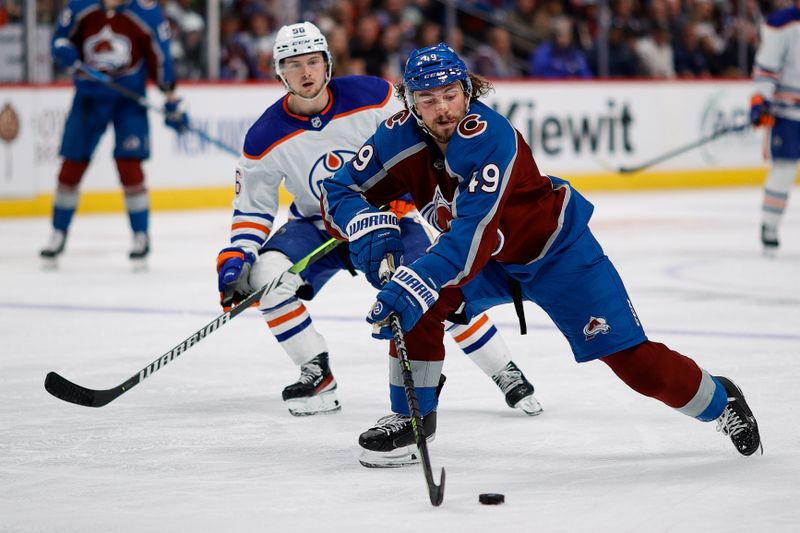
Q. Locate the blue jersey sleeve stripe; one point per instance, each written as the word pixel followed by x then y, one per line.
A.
pixel 260 215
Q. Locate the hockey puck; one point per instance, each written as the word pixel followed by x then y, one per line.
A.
pixel 491 498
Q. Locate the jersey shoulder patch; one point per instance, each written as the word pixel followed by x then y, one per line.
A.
pixel 268 131
pixel 356 93
pixel 783 17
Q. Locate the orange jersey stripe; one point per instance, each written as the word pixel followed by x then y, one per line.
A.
pixel 251 225
pixel 481 321
pixel 288 316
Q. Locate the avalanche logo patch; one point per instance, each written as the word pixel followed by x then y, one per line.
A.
pixel 325 167
pixel 471 126
pixel 596 325
pixel 438 212
pixel 107 51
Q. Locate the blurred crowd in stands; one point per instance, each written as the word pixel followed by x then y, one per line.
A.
pixel 498 38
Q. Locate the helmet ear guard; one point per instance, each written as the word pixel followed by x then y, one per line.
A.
pixel 296 40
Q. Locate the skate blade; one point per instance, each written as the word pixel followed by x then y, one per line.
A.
pixel 139 265
pixel 405 456
pixel 49 264
pixel 322 404
pixel 529 405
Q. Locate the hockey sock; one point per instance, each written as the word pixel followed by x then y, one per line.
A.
pixel 294 330
pixel 776 191
pixel 137 202
pixel 654 370
pixel 65 200
pixel 481 342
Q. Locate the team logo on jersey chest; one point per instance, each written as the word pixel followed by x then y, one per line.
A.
pixel 107 50
pixel 471 126
pixel 325 167
pixel 438 212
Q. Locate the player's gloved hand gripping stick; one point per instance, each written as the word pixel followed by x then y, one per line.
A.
pixel 64 389
pixel 435 492
pixel 175 117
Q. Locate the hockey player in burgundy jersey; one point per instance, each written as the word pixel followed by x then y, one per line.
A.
pixel 776 104
pixel 503 223
pixel 129 41
pixel 300 140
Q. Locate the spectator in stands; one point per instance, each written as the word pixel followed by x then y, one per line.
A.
pixel 428 34
pixel 366 45
pixel 340 50
pixel 236 63
pixel 528 25
pixel 655 53
pixel 494 59
pixel 558 57
pixel 394 62
pixel 192 65
pixel 260 39
pixel 622 59
pixel 690 59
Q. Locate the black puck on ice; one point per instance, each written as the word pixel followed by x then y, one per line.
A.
pixel 491 499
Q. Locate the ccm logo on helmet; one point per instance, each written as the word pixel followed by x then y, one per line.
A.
pixel 471 126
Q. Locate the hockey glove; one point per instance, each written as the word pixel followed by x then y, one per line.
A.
pixel 175 115
pixel 64 53
pixel 372 236
pixel 233 268
pixel 760 112
pixel 408 295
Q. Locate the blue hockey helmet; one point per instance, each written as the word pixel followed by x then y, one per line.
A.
pixel 434 66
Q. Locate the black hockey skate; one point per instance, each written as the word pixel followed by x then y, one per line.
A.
pixel 769 238
pixel 141 246
pixel 55 246
pixel 390 443
pixel 518 390
pixel 314 392
pixel 737 420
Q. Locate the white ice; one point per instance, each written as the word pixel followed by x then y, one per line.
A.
pixel 205 444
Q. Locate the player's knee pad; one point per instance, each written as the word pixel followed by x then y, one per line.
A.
pixel 71 174
pixel 270 266
pixel 131 175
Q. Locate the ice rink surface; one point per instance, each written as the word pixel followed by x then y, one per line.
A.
pixel 206 444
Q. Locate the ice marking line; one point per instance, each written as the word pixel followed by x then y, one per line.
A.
pixel 17 306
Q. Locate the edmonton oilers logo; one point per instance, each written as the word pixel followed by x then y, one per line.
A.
pixel 325 167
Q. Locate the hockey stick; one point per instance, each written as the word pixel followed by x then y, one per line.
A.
pixel 435 492
pixel 678 151
pixel 68 391
pixel 105 79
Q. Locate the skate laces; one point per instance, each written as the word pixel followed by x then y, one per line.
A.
pixel 392 423
pixel 729 422
pixel 508 377
pixel 310 371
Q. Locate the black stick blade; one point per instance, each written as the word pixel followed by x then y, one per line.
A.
pixel 68 391
pixel 436 492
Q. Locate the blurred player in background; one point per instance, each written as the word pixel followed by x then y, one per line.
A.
pixel 502 220
pixel 127 40
pixel 776 104
pixel 300 140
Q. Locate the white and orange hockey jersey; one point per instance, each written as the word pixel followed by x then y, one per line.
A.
pixel 301 151
pixel 777 69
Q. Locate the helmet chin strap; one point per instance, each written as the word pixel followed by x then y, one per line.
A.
pixel 410 104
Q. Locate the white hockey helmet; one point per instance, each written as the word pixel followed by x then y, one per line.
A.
pixel 299 39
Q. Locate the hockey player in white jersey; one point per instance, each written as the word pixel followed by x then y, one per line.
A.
pixel 300 140
pixel 776 104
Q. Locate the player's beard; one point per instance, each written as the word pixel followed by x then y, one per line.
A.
pixel 439 134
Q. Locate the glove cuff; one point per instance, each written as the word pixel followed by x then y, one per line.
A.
pixel 368 222
pixel 424 291
pixel 234 253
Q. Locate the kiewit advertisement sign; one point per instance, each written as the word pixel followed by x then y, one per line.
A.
pixel 583 132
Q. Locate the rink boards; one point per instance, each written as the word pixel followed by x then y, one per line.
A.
pixel 582 131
